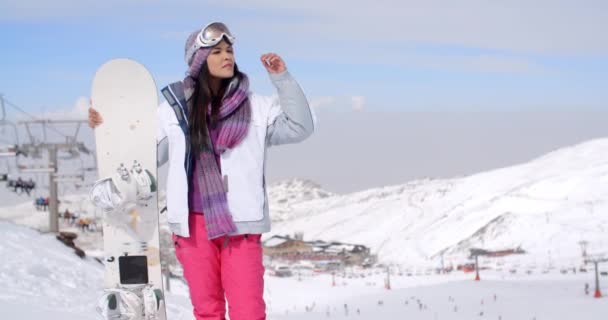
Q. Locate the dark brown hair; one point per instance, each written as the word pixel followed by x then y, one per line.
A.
pixel 201 98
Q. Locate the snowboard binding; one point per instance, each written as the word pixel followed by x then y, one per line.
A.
pixel 134 302
pixel 125 190
pixel 146 184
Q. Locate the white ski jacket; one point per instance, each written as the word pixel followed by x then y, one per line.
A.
pixel 274 121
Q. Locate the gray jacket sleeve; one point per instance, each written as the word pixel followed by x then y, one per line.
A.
pixel 162 144
pixel 162 152
pixel 291 120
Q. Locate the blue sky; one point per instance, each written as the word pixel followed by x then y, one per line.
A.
pixel 498 82
pixel 397 55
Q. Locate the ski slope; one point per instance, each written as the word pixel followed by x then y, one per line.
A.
pixel 43 279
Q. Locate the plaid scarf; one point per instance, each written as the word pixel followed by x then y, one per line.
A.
pixel 232 126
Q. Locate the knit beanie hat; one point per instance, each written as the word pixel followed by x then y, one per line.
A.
pixel 198 59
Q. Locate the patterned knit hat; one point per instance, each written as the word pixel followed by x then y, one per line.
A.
pixel 199 58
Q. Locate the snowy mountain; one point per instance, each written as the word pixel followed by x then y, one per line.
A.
pixel 282 195
pixel 545 206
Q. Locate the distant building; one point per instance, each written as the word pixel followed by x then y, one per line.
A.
pixel 279 245
pixel 295 249
pixel 498 253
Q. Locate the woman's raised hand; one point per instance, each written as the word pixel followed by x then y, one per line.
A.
pixel 273 63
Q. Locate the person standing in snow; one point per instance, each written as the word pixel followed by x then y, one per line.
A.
pixel 214 133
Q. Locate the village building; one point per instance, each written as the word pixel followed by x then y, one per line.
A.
pixel 329 253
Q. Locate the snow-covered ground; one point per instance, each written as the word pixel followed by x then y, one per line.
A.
pixel 455 297
pixel 43 279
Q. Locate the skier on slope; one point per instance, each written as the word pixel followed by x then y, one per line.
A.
pixel 214 133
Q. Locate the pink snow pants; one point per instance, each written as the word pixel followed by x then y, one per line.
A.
pixel 223 266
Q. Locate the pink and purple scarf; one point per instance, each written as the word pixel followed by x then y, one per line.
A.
pixel 231 129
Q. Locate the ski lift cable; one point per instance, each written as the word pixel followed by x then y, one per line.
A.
pixel 33 117
pixel 2 108
pixel 5 123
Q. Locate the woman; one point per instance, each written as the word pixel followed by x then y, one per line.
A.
pixel 214 134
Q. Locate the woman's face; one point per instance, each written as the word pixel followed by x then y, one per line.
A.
pixel 221 61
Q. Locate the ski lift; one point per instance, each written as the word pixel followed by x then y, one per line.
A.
pixel 8 150
pixel 5 171
pixel 94 167
pixel 39 178
pixel 11 149
pixel 36 169
pixel 84 169
pixel 20 186
pixel 83 149
pixel 75 152
pixel 71 154
pixel 68 181
pixel 68 178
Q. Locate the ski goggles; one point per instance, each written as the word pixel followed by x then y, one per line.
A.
pixel 209 36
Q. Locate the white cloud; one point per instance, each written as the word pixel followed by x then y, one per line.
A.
pixel 322 102
pixel 81 107
pixel 487 63
pixel 338 103
pixel 478 63
pixel 465 35
pixel 78 112
pixel 358 102
pixel 540 26
pixel 36 10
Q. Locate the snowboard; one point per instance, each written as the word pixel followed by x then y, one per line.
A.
pixel 125 95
